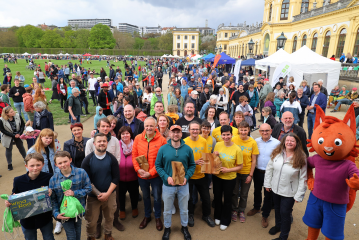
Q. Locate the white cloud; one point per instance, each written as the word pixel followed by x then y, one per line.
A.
pixel 166 13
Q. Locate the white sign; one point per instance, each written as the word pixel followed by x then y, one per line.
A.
pixel 237 67
pixel 281 71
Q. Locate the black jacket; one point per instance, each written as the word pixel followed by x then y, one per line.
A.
pixel 70 147
pixel 297 130
pixel 102 99
pixel 139 127
pixel 46 121
pixel 112 75
pixel 271 121
pixel 103 75
pixel 203 97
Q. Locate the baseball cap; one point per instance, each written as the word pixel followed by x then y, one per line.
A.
pixel 354 89
pixel 192 76
pixel 195 92
pixel 266 79
pixel 105 85
pixel 137 84
pixel 98 78
pixel 29 129
pixel 176 127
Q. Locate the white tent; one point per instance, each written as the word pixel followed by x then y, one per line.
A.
pixel 164 56
pixel 306 64
pixel 60 54
pixel 67 54
pixel 25 54
pixel 274 60
pixel 45 54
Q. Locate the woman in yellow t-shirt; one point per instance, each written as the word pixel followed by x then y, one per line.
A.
pixel 211 143
pixel 224 182
pixel 244 177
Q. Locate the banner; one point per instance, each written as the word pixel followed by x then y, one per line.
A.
pixel 237 68
pixel 216 59
pixel 261 67
pixel 281 71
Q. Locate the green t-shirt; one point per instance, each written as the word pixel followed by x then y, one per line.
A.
pixel 76 105
pixel 5 98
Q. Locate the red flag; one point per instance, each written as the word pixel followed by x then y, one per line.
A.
pixel 216 59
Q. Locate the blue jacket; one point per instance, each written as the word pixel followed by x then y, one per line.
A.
pixel 307 92
pixel 203 110
pixel 278 103
pixel 112 94
pixel 253 102
pixel 51 160
pixel 321 101
pixel 304 102
pixel 46 121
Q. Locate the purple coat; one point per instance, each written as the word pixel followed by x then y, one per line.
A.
pixel 127 171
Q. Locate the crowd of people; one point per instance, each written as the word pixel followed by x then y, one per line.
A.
pixel 209 111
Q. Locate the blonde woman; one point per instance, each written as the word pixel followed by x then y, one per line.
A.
pixel 291 82
pixel 306 88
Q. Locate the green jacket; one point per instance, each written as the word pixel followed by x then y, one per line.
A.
pixel 174 102
pixel 153 101
pixel 267 88
pixel 167 154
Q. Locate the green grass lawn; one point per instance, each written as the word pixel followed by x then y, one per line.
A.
pixel 60 117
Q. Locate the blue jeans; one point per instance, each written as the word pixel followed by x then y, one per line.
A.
pixel 156 185
pixel 75 121
pixel 73 228
pixel 310 122
pixel 20 108
pixel 31 234
pixel 168 196
pixel 343 101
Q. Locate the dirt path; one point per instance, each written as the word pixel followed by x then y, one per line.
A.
pixel 250 230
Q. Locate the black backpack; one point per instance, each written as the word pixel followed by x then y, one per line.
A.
pixel 66 105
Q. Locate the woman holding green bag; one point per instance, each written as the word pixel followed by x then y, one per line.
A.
pixel 68 202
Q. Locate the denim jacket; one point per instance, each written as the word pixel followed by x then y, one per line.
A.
pixel 52 155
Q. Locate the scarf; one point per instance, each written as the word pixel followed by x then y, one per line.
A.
pixel 250 94
pixel 38 116
pixel 127 149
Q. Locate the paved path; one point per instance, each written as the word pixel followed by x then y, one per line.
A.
pixel 250 230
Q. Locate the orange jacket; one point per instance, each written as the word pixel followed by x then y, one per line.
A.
pixel 147 149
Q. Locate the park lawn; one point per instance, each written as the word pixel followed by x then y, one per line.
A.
pixel 60 117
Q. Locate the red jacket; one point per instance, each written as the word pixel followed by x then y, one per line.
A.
pixel 59 89
pixel 28 102
pixel 152 80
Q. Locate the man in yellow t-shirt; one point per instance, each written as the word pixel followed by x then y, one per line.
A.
pixel 223 120
pixel 198 179
pixel 250 151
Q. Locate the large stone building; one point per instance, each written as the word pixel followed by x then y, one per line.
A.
pixel 185 41
pixel 328 27
pixel 88 23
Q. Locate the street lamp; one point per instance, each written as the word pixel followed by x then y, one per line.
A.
pixel 215 50
pixel 281 41
pixel 220 49
pixel 250 45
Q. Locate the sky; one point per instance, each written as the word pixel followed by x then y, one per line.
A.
pixel 151 13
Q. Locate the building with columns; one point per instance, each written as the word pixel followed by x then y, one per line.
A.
pixel 185 41
pixel 329 27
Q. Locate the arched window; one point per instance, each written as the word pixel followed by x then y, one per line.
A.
pixel 285 10
pixel 314 42
pixel 326 44
pixel 305 4
pixel 294 44
pixel 341 42
pixel 356 44
pixel 304 40
pixel 270 13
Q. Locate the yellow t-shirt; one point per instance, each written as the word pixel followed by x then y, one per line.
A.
pixel 198 147
pixel 209 144
pixel 248 147
pixel 216 133
pixel 230 157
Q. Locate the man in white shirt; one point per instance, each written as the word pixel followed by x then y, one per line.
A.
pixel 92 90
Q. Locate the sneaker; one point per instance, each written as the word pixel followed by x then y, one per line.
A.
pixel 274 230
pixel 222 227
pixel 173 210
pixel 217 222
pixel 166 234
pixel 186 234
pixel 242 217
pixel 190 220
pixel 253 212
pixel 58 228
pixel 264 222
pixel 234 216
pixel 334 110
pixel 209 221
pixel 9 167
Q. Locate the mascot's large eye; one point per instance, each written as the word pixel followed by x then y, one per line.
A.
pixel 320 141
pixel 338 142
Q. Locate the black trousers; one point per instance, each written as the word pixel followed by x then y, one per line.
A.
pixel 93 96
pixel 203 189
pixel 301 120
pixel 283 210
pixel 86 102
pixel 130 187
pixel 223 210
pixel 258 180
pixel 159 82
pixel 107 112
pixel 261 106
pixel 62 99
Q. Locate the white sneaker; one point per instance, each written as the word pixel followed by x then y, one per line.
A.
pixel 173 210
pixel 58 228
pixel 222 227
pixel 217 222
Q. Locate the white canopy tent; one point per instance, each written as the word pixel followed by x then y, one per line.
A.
pixel 45 54
pixel 308 65
pixel 67 54
pixel 274 60
pixel 164 56
pixel 25 54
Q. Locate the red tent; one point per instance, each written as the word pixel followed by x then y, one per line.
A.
pixel 87 55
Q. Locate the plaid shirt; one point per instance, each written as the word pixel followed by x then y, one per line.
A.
pixel 81 186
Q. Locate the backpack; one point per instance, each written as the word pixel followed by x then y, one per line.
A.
pixel 66 105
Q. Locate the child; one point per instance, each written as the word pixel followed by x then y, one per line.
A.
pixel 31 180
pixel 81 186
pixel 57 143
pixel 98 116
pixel 30 135
pixel 172 112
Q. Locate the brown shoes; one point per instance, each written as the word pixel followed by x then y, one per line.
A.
pixel 118 225
pixel 90 238
pixel 108 237
pixel 134 213
pixel 144 222
pixel 253 212
pixel 264 222
pixel 159 225
pixel 122 215
pixel 98 231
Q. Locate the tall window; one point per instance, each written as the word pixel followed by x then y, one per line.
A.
pixel 294 44
pixel 185 37
pixel 304 40
pixel 314 42
pixel 356 44
pixel 225 35
pixel 185 45
pixel 192 45
pixel 193 37
pixel 341 42
pixel 285 10
pixel 326 44
pixel 178 36
pixel 270 13
pixel 305 4
pixel 225 47
pixel 178 45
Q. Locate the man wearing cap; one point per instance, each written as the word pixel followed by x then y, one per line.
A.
pixel 192 83
pixel 263 94
pixel 193 97
pixel 92 81
pixel 104 100
pixel 175 150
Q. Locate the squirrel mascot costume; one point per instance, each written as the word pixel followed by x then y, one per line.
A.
pixel 336 181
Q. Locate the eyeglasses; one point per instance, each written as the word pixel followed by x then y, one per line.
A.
pixel 195 130
pixel 158 91
pixel 265 131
